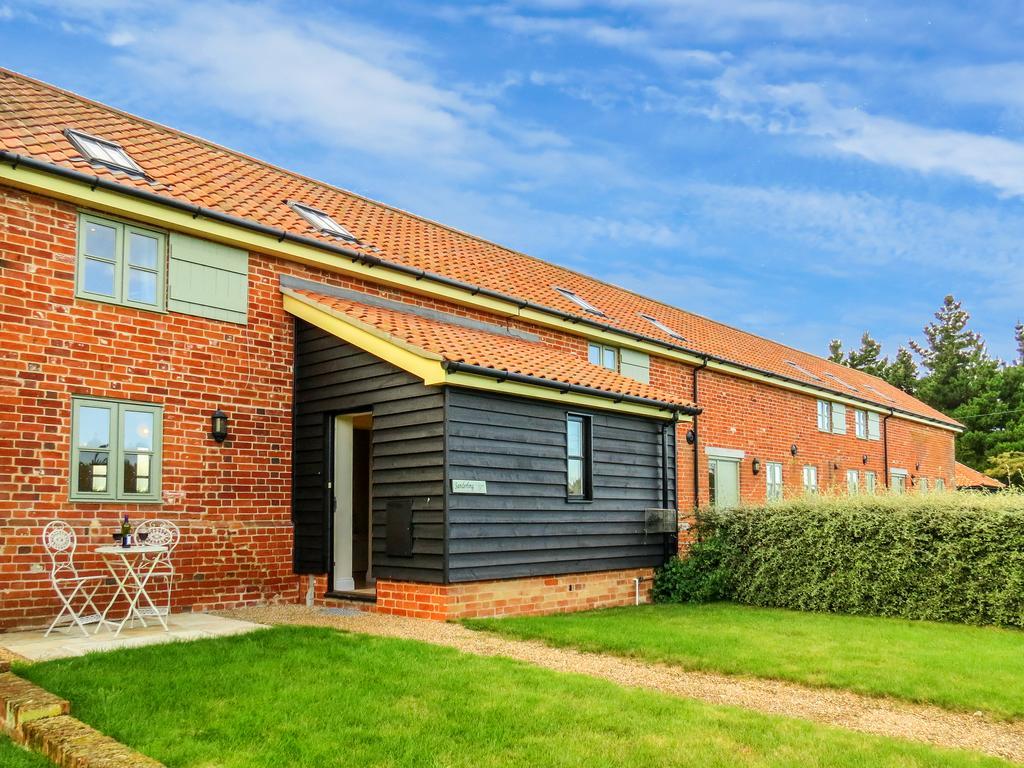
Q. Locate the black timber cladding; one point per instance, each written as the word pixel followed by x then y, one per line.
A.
pixel 333 377
pixel 524 525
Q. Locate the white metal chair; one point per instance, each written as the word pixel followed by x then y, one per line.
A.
pixel 72 587
pixel 162 533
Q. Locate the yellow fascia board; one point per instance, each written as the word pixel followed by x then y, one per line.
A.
pixel 420 363
pixel 427 366
pixel 110 201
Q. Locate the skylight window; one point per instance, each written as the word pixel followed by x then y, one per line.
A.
pixel 662 327
pixel 880 394
pixel 580 301
pixel 108 153
pixel 802 370
pixel 321 221
pixel 848 386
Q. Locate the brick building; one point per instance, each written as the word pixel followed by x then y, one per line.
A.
pixel 418 419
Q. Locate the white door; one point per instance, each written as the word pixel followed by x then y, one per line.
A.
pixel 342 523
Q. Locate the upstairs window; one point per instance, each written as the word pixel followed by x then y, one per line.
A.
pixel 824 416
pixel 108 153
pixel 605 356
pixel 579 301
pixel 662 327
pixel 578 456
pixel 860 420
pixel 321 221
pixel 120 263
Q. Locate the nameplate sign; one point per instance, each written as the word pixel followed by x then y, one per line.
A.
pixel 469 486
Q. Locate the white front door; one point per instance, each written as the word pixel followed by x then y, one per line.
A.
pixel 342 487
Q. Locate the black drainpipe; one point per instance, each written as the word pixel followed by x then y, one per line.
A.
pixel 885 445
pixel 696 440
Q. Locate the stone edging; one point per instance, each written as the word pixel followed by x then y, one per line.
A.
pixel 35 718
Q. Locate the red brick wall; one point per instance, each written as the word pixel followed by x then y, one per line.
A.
pixel 232 500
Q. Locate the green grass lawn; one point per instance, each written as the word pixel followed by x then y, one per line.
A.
pixel 318 698
pixel 12 756
pixel 953 666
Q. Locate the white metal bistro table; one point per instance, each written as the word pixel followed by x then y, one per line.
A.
pixel 137 564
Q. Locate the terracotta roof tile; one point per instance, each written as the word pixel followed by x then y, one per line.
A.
pixel 967 477
pixel 33 116
pixel 496 350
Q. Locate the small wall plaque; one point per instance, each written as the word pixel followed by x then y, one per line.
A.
pixel 469 486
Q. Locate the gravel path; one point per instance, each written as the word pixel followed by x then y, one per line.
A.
pixel 883 717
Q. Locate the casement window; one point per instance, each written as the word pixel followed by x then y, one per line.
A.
pixel 606 357
pixel 940 485
pixel 860 421
pixel 869 482
pixel 898 481
pixel 115 450
pixel 810 479
pixel 853 482
pixel 579 458
pixel 922 485
pixel 831 417
pixel 724 478
pixel 773 478
pixel 120 263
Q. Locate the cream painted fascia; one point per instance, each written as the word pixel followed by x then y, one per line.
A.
pixel 111 202
pixel 427 365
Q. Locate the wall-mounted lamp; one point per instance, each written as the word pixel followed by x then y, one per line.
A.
pixel 864 458
pixel 918 466
pixel 219 426
pixel 756 466
pixel 793 450
pixel 691 437
pixel 835 465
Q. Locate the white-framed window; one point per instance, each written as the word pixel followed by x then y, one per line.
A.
pixel 853 481
pixel 824 416
pixel 860 421
pixel 870 481
pixel 579 301
pixel 773 479
pixel 898 481
pixel 922 485
pixel 603 355
pixel 940 485
pixel 810 478
pixel 108 153
pixel 321 221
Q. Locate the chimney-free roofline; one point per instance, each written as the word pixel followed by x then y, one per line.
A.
pixel 281 235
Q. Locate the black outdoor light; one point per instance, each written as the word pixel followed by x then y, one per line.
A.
pixel 793 450
pixel 756 466
pixel 864 458
pixel 219 426
pixel 691 437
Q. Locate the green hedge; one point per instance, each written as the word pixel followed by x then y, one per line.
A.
pixel 944 557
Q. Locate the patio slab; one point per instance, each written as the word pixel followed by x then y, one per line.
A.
pixel 63 643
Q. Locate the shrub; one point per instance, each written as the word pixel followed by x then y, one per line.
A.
pixel 945 557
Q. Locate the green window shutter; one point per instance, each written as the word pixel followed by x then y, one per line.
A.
pixel 208 279
pixel 874 427
pixel 636 365
pixel 838 419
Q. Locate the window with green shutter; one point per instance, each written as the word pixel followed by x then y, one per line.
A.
pixel 115 450
pixel 120 263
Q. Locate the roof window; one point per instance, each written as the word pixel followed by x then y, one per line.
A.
pixel 880 394
pixel 580 301
pixel 848 386
pixel 108 153
pixel 662 327
pixel 802 370
pixel 321 221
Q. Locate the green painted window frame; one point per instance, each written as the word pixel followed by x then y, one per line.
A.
pixel 116 450
pixel 824 413
pixel 870 482
pixel 122 268
pixel 603 350
pixel 774 481
pixel 810 478
pixel 853 482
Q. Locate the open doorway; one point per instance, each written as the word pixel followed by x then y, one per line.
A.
pixel 352 540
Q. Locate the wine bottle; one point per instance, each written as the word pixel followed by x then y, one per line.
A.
pixel 126 533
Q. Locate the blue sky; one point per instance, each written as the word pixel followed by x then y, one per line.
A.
pixel 803 170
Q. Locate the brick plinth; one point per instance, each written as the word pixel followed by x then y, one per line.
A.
pixel 514 597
